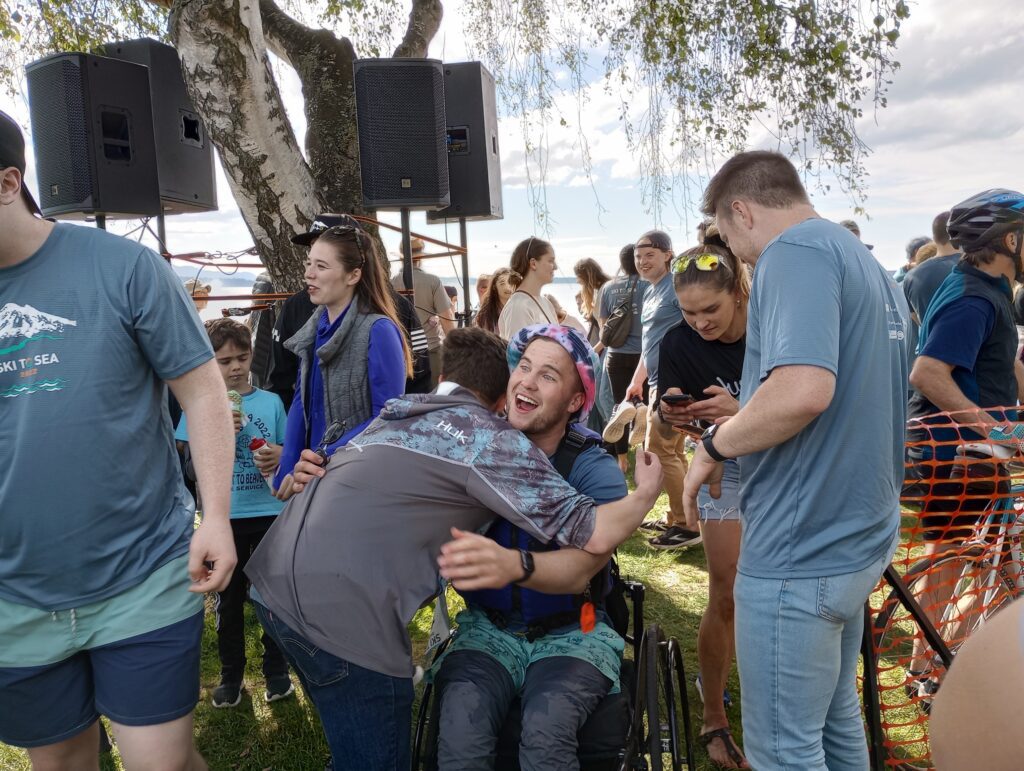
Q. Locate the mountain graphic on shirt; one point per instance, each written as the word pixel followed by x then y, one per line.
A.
pixel 23 323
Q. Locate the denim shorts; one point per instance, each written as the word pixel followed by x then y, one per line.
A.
pixel 148 679
pixel 726 507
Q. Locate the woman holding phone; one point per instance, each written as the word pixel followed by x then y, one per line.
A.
pixel 699 373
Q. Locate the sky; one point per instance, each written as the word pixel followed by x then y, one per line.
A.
pixel 954 126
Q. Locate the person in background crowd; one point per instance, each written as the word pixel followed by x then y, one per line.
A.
pixel 622 362
pixel 503 283
pixel 967 364
pixel 259 416
pixel 483 286
pixel 353 355
pixel 923 280
pixel 912 246
pixel 198 291
pixel 703 358
pixel 261 324
pixel 653 254
pixel 101 566
pixel 563 316
pixel 534 260
pixel 453 298
pixel 826 335
pixel 925 253
pixel 591 278
pixel 432 305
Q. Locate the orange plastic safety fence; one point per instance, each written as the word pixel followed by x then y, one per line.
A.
pixel 960 556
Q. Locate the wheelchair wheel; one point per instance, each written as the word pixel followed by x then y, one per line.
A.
pixel 662 699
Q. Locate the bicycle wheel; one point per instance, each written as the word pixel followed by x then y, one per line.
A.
pixel 976 590
pixel 652 702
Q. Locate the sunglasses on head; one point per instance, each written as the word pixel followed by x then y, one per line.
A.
pixel 353 232
pixel 702 261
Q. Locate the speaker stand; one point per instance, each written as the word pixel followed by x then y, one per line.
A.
pixel 465 269
pixel 406 251
pixel 161 232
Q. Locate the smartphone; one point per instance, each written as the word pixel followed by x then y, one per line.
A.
pixel 677 400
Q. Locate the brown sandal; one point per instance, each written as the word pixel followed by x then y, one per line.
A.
pixel 730 746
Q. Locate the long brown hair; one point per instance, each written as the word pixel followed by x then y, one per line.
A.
pixel 354 249
pixel 490 308
pixel 528 249
pixel 591 278
pixel 730 276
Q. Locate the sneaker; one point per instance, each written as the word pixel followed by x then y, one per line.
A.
pixel 621 415
pixel 227 694
pixel 279 687
pixel 675 538
pixel 639 432
pixel 699 686
pixel 654 525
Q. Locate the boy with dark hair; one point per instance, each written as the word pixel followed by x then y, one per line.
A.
pixel 259 419
pixel 350 561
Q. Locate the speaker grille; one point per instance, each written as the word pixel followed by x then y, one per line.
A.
pixel 57 109
pixel 400 114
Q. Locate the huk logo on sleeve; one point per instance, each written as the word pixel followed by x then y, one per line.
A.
pixel 23 329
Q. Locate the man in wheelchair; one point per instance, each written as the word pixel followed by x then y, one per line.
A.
pixel 545 639
pixel 351 559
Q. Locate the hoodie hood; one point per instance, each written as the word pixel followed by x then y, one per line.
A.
pixel 415 405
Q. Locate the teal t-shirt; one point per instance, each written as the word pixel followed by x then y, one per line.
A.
pixel 91 498
pixel 250 494
pixel 660 313
pixel 826 502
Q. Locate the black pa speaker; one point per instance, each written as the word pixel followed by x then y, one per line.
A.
pixel 400 117
pixel 92 128
pixel 184 155
pixel 474 162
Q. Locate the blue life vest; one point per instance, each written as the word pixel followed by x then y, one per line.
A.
pixel 542 612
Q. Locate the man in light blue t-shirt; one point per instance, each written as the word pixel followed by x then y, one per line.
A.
pixel 819 437
pixel 101 567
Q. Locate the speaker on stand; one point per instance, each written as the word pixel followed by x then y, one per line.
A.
pixel 474 160
pixel 92 130
pixel 401 126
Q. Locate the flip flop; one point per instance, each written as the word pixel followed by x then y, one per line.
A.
pixel 730 746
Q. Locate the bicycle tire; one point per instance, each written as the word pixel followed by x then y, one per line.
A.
pixel 894 630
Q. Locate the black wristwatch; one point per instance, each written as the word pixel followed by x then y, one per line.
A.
pixel 709 446
pixel 526 560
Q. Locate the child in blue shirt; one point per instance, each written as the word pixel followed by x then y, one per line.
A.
pixel 253 509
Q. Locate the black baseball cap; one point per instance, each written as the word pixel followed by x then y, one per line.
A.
pixel 12 154
pixel 321 223
pixel 659 239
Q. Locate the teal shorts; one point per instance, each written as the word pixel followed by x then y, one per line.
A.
pixel 602 647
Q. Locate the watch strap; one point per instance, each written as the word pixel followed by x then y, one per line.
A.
pixel 709 446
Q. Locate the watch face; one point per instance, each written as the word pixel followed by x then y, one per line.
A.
pixel 710 431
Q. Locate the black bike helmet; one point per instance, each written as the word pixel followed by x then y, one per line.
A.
pixel 983 218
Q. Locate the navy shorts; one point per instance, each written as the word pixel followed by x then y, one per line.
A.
pixel 145 680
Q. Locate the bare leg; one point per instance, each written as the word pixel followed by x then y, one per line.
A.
pixel 79 752
pixel 162 747
pixel 716 638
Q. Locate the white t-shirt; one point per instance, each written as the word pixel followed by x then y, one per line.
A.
pixel 523 310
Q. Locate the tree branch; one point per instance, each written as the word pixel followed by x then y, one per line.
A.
pixel 424 22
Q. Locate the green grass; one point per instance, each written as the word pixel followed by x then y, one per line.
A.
pixel 286 736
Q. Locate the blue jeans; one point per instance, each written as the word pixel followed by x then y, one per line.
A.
pixel 797 645
pixel 366 716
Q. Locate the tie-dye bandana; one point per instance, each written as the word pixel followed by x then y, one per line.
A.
pixel 576 346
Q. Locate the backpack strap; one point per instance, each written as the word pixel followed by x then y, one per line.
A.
pixel 573 443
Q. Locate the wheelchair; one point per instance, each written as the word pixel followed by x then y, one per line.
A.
pixel 636 729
